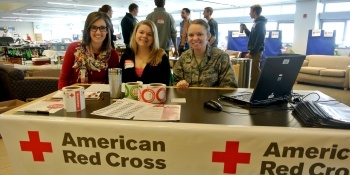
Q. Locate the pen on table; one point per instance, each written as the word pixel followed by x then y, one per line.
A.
pixel 37 112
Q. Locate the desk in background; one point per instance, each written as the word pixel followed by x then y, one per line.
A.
pixel 54 55
pixel 36 67
pixel 19 54
pixel 40 70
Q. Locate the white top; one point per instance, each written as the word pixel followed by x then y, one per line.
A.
pixel 6 34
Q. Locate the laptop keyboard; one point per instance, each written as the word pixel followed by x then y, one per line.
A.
pixel 243 97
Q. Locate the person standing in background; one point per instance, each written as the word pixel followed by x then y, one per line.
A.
pixel 256 41
pixel 6 33
pixel 166 27
pixel 213 40
pixel 129 22
pixel 108 10
pixel 87 61
pixel 29 38
pixel 185 15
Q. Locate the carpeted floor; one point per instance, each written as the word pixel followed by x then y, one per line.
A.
pixel 336 93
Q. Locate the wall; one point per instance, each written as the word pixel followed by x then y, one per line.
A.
pixel 22 28
pixel 58 31
pixel 49 31
pixel 303 25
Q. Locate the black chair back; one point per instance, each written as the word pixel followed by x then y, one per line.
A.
pixel 6 41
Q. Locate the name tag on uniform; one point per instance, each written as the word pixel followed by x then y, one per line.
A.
pixel 129 64
pixel 160 21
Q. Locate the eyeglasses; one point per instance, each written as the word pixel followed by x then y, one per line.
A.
pixel 101 28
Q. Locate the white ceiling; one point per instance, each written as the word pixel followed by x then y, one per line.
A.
pixel 71 11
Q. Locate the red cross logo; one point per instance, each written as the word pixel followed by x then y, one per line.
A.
pixel 35 146
pixel 231 157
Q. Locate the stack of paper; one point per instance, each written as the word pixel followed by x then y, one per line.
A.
pixel 136 110
pixel 123 109
pixel 160 112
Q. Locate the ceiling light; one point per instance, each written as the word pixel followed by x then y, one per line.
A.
pixel 54 11
pixel 81 5
pixel 17 17
pixel 25 14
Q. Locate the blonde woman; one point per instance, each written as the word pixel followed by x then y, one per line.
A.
pixel 145 61
pixel 88 61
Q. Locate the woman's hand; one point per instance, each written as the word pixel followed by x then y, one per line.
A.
pixel 182 84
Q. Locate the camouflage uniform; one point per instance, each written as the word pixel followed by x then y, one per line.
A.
pixel 215 70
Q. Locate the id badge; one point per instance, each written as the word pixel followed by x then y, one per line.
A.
pixel 129 64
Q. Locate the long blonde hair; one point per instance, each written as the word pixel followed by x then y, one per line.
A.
pixel 157 53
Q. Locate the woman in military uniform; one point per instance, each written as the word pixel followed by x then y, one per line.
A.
pixel 202 65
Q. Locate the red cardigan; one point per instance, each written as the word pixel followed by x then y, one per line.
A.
pixel 69 75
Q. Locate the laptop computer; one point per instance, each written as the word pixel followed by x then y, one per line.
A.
pixel 275 83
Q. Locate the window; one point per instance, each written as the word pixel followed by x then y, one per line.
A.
pixel 271 25
pixel 271 10
pixel 338 27
pixel 232 12
pixel 287 32
pixel 176 16
pixel 337 7
pixel 178 31
pixel 288 9
pixel 196 14
pixel 249 25
pixel 347 34
pixel 223 32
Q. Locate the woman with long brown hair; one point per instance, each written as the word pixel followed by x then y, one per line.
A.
pixel 87 61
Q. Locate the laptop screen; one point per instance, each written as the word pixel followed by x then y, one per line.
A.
pixel 277 77
pixel 275 82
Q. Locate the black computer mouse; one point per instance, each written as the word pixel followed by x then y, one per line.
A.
pixel 213 105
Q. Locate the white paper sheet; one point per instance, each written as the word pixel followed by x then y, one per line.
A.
pixel 178 100
pixel 98 87
pixel 123 109
pixel 50 106
pixel 160 112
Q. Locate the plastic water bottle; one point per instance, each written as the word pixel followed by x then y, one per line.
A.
pixel 115 82
pixel 241 28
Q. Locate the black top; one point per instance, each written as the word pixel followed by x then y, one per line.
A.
pixel 213 25
pixel 113 37
pixel 256 36
pixel 151 74
pixel 128 23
